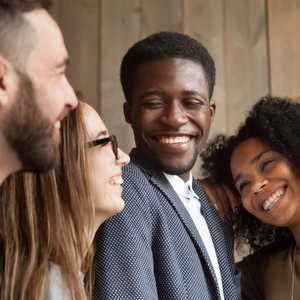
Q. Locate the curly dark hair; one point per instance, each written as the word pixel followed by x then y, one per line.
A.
pixel 165 45
pixel 276 121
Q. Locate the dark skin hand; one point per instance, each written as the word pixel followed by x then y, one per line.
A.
pixel 222 198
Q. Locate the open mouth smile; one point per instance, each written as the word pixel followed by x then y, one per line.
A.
pixel 183 139
pixel 273 199
pixel 117 180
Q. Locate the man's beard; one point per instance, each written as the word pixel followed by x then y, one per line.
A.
pixel 28 132
pixel 174 169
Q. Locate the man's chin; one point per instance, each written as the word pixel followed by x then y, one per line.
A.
pixel 41 162
pixel 41 167
pixel 177 168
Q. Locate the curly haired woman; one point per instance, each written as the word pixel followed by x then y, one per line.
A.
pixel 261 164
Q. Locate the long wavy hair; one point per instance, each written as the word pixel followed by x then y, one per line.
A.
pixel 276 121
pixel 45 218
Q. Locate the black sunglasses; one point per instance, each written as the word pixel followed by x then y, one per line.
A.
pixel 105 141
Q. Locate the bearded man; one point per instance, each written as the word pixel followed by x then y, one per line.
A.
pixel 35 94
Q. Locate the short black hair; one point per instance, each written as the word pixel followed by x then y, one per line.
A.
pixel 16 33
pixel 165 45
pixel 275 121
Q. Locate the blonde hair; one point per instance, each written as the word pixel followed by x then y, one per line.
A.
pixel 44 219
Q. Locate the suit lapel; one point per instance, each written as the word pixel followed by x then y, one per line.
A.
pixel 219 231
pixel 161 182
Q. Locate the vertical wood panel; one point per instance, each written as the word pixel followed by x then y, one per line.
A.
pixel 120 29
pixel 55 10
pixel 79 21
pixel 246 57
pixel 284 25
pixel 161 15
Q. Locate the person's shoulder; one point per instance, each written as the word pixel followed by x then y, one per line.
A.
pixel 55 285
pixel 275 247
pixel 54 272
pixel 140 162
pixel 198 189
pixel 137 187
pixel 132 167
pixel 263 254
pixel 134 171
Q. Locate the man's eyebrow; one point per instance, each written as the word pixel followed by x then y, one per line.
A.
pixel 63 63
pixel 152 93
pixel 192 92
pixel 185 93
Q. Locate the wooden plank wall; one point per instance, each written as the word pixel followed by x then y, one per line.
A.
pixel 79 21
pixel 284 47
pixel 255 44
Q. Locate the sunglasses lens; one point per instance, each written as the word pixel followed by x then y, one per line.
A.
pixel 115 146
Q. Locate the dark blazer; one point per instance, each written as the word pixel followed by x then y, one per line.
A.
pixel 152 249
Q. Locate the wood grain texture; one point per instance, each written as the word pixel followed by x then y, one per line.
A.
pixel 246 57
pixel 120 29
pixel 160 15
pixel 79 21
pixel 284 34
pixel 55 10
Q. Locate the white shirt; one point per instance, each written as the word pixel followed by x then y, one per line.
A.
pixel 56 286
pixel 193 206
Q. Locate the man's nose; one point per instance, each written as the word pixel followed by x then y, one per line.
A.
pixel 174 114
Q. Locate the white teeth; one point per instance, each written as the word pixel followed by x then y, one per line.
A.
pixel 272 200
pixel 57 124
pixel 116 181
pixel 174 140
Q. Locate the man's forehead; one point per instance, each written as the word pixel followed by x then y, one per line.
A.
pixel 49 39
pixel 40 19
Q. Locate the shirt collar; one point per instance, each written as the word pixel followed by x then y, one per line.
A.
pixel 181 187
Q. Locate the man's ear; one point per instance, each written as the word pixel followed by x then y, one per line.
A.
pixel 212 108
pixel 3 81
pixel 127 112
